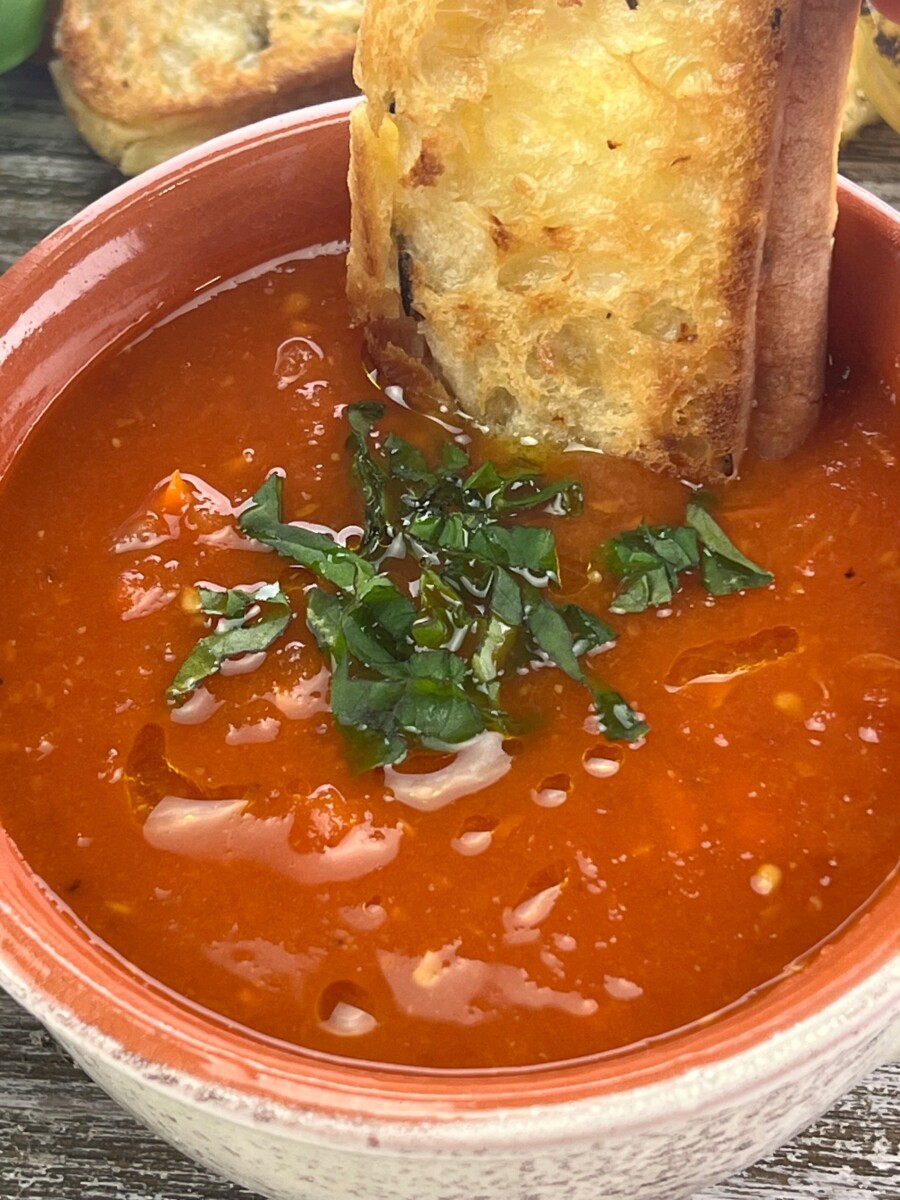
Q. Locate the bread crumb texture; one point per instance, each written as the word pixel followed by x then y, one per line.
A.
pixel 145 80
pixel 560 210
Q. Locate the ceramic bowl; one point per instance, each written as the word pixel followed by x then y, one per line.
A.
pixel 659 1121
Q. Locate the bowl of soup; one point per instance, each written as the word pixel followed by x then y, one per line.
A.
pixel 386 811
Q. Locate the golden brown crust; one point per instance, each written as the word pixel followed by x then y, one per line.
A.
pixel 145 81
pixel 136 146
pixel 567 206
pixel 792 314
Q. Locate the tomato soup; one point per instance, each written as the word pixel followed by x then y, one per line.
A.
pixel 534 896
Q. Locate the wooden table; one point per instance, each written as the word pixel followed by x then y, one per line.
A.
pixel 60 1137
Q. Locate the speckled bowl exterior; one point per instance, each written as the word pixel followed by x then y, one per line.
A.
pixel 659 1121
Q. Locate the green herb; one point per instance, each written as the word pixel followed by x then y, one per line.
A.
pixel 497 641
pixel 564 635
pixel 442 619
pixel 589 632
pixel 517 490
pixel 384 693
pixel 424 663
pixel 425 701
pixel 375 626
pixel 248 622
pixel 408 462
pixel 319 552
pixel 427 668
pixel 725 569
pixel 650 561
pixel 475 538
pixel 371 476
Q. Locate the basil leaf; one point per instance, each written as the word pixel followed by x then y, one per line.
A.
pixel 554 636
pixel 375 627
pixel 442 618
pixel 368 748
pixel 589 632
pixel 363 702
pixel 649 559
pixel 317 552
pixel 426 701
pixel 490 654
pixel 389 610
pixel 629 552
pixel 714 538
pixel 506 598
pixel 654 585
pixel 250 635
pixel 488 478
pixel 564 498
pixel 675 545
pixel 561 499
pixel 521 547
pixel 435 706
pixel 363 710
pixel 407 461
pixel 362 417
pixel 725 569
pixel 372 476
pixel 325 618
pixel 454 459
pixel 515 489
pixel 551 634
pixel 619 721
pixel 233 603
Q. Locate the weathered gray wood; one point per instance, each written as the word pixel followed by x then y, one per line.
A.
pixel 873 160
pixel 61 1138
pixel 47 173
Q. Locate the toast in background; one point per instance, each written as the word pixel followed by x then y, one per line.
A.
pixel 560 210
pixel 145 79
pixel 859 110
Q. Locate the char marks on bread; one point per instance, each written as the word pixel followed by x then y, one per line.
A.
pixel 566 213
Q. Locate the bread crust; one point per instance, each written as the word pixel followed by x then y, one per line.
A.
pixel 577 261
pixel 792 311
pixel 143 82
pixel 138 145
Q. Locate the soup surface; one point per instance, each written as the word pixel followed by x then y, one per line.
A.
pixel 595 893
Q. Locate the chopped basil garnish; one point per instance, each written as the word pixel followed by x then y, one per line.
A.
pixel 651 559
pixel 317 551
pixel 425 667
pixel 725 569
pixel 371 475
pixel 423 664
pixel 248 622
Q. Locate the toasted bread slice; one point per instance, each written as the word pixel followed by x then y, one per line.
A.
pixel 560 210
pixel 859 111
pixel 143 81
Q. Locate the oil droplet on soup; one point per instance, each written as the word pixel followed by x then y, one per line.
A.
pixel 528 898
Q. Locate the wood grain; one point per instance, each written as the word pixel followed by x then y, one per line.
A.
pixel 61 1138
pixel 47 173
